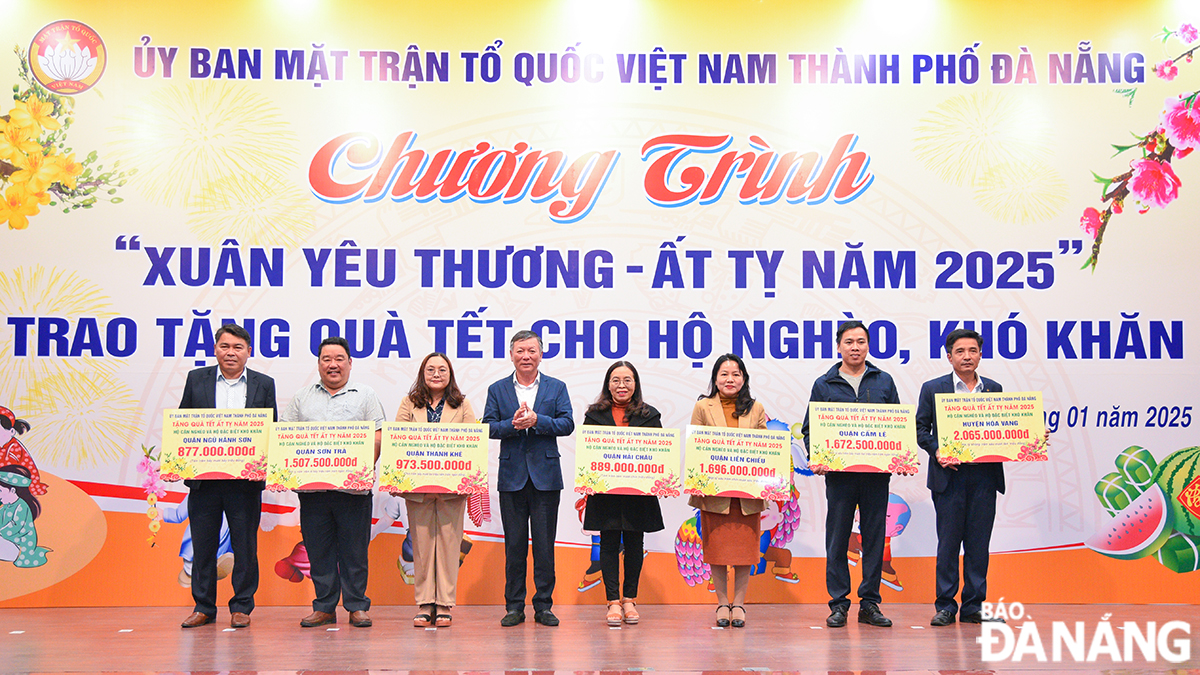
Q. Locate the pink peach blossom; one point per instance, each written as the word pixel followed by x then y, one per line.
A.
pixel 1188 33
pixel 152 486
pixel 146 466
pixel 1154 183
pixel 1166 70
pixel 1181 123
pixel 1090 222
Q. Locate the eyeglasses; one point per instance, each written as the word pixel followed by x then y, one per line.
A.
pixel 626 381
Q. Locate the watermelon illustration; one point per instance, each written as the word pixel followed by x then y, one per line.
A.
pixel 1180 553
pixel 1179 477
pixel 1137 531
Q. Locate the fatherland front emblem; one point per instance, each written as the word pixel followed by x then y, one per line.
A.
pixel 67 57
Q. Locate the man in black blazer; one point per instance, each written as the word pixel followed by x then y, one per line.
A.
pixel 229 384
pixel 964 495
pixel 528 412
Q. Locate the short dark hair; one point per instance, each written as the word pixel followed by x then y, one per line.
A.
pixel 959 334
pixel 851 325
pixel 525 335
pixel 334 340
pixel 236 331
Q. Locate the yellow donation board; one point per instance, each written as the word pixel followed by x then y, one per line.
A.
pixel 1000 427
pixel 863 437
pixel 627 461
pixel 203 444
pixel 445 458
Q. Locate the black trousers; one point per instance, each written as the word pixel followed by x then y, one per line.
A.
pixel 845 491
pixel 529 513
pixel 241 509
pixel 966 511
pixel 336 527
pixel 610 562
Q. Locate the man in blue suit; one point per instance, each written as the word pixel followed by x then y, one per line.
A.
pixel 964 495
pixel 528 412
pixel 229 384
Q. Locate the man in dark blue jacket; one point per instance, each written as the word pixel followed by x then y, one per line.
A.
pixel 964 495
pixel 528 412
pixel 854 380
pixel 229 384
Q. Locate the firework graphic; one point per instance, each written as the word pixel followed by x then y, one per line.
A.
pixel 965 137
pixel 185 139
pixel 1022 194
pixel 254 210
pixel 83 420
pixel 38 291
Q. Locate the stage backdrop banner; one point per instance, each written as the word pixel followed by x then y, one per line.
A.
pixel 654 181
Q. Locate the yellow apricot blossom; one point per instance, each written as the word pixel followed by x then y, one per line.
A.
pixel 17 206
pixel 68 170
pixel 37 172
pixel 34 114
pixel 15 143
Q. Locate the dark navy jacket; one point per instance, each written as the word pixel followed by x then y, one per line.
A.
pixel 927 435
pixel 876 387
pixel 200 391
pixel 530 453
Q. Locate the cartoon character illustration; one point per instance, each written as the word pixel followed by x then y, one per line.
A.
pixel 779 522
pixel 390 510
pixel 295 567
pixel 898 515
pixel 689 552
pixel 592 576
pixel 18 509
pixel 13 452
pixel 178 514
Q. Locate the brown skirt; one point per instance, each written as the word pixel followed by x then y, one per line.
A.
pixel 730 539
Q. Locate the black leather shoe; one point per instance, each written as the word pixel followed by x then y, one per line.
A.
pixel 977 617
pixel 546 618
pixel 944 617
pixel 837 618
pixel 512 619
pixel 870 614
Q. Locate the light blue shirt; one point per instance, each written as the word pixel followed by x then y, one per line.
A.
pixel 231 393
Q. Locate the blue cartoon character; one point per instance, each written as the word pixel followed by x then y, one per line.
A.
pixel 898 515
pixel 179 514
pixel 18 509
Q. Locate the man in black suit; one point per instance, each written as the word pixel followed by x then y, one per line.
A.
pixel 964 495
pixel 229 384
pixel 528 412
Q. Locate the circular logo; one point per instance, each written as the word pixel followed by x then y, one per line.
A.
pixel 67 57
